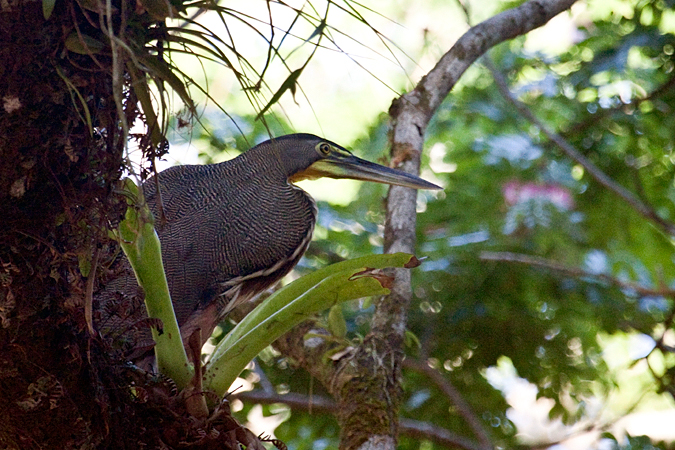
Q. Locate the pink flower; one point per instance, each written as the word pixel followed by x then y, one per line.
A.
pixel 520 192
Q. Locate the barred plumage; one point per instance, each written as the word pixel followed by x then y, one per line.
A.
pixel 231 230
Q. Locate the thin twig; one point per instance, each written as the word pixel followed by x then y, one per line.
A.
pixel 463 408
pixel 580 127
pixel 428 431
pixel 575 272
pixel 644 209
pixel 89 292
pixel 195 401
pixel 408 427
pixel 298 401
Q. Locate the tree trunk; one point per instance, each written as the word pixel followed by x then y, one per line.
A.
pixel 59 386
pixel 61 148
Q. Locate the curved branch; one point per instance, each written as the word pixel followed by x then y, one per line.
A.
pixel 425 430
pixel 463 408
pixel 436 85
pixel 574 272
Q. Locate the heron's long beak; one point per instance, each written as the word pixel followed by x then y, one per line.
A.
pixel 355 168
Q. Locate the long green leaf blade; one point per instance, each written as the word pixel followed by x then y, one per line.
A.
pixel 141 245
pixel 292 305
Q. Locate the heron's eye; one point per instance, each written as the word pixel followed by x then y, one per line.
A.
pixel 324 149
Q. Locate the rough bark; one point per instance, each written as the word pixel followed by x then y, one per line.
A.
pixel 55 178
pixel 61 154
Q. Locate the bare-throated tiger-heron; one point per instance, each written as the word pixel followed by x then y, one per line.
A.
pixel 231 230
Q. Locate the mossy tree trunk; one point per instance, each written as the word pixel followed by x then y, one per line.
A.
pixel 61 154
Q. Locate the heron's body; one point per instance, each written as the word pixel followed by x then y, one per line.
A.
pixel 231 230
pixel 228 231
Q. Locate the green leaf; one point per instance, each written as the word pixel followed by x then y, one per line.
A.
pixel 83 44
pixel 141 245
pixel 289 83
pixel 411 340
pixel 337 324
pixel 294 303
pixel 142 91
pixel 48 8
pixel 160 69
pixel 159 9
pixel 74 92
pixel 84 263
pixel 318 31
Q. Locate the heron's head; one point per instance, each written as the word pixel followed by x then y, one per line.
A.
pixel 305 156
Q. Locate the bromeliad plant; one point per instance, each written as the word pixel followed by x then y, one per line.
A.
pixel 140 243
pixel 286 308
pixel 295 303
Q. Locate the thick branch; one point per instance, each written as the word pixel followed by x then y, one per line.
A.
pixel 436 85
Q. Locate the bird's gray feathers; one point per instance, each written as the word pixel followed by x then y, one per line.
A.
pixel 233 228
pixel 223 222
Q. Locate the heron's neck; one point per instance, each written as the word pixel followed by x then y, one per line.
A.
pixel 263 160
pixel 256 163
